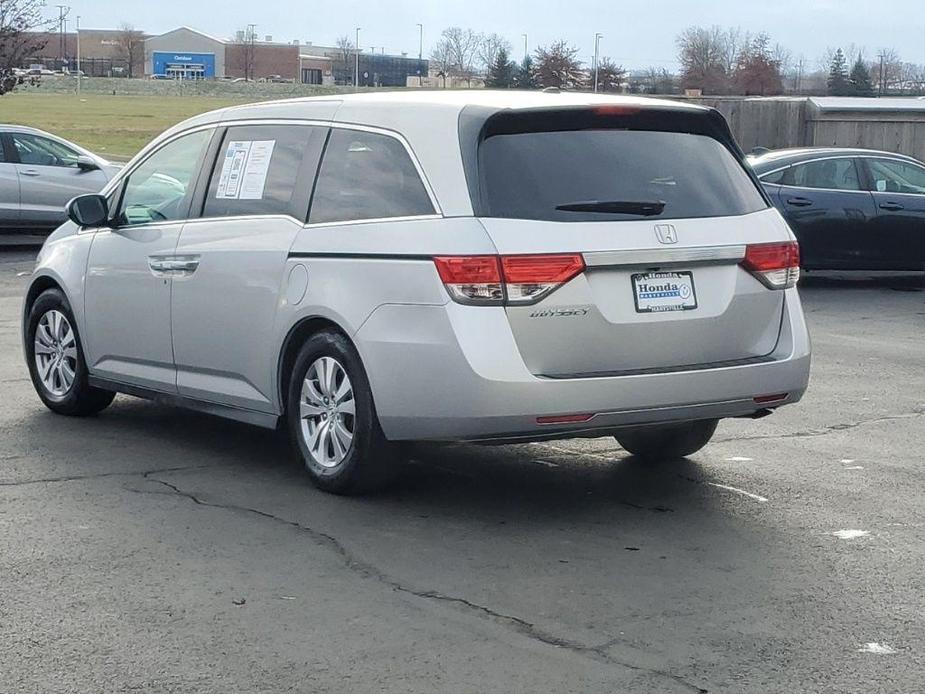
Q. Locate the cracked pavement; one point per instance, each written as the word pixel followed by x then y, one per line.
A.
pixel 160 550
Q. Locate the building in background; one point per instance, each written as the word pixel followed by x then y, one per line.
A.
pixel 185 53
pixel 103 52
pixel 380 70
pixel 376 69
pixel 189 54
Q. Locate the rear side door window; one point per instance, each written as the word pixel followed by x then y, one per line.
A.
pixel 891 176
pixel 826 174
pixel 265 170
pixel 367 175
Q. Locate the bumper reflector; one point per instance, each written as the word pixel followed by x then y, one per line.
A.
pixel 765 399
pixel 564 419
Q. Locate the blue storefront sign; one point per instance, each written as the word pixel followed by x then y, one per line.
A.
pixel 184 65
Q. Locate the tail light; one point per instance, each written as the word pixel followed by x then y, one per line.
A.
pixel 511 279
pixel 473 279
pixel 775 265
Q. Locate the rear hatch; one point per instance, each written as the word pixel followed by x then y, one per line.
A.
pixel 657 214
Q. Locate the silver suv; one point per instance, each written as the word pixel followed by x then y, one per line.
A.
pixel 485 266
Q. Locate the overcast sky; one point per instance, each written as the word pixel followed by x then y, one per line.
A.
pixel 637 33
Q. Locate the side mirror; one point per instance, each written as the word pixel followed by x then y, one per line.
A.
pixel 88 210
pixel 86 163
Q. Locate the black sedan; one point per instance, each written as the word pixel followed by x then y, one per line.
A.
pixel 851 209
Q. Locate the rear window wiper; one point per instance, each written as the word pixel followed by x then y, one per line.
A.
pixel 646 208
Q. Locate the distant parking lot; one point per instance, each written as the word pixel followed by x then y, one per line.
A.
pixel 160 550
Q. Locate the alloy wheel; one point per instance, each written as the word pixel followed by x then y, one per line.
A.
pixel 327 412
pixel 55 348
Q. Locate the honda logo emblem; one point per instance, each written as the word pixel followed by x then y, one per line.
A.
pixel 665 233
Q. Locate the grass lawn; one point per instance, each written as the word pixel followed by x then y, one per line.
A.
pixel 111 126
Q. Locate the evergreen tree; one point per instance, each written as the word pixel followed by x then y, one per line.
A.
pixel 838 75
pixel 859 80
pixel 525 78
pixel 501 73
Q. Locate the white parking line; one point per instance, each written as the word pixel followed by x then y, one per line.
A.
pixel 877 648
pixel 739 459
pixel 756 497
pixel 850 534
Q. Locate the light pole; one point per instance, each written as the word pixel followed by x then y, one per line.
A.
pixel 597 44
pixel 249 49
pixel 880 81
pixel 62 38
pixel 420 41
pixel 78 55
pixel 525 46
pixel 356 70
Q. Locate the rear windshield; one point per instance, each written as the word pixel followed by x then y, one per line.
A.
pixel 603 175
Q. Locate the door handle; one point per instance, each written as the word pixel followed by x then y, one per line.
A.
pixel 29 172
pixel 173 266
pixel 799 202
pixel 894 206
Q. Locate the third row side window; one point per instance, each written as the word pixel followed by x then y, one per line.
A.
pixel 367 175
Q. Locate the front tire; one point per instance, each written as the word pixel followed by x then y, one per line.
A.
pixel 668 441
pixel 332 419
pixel 56 359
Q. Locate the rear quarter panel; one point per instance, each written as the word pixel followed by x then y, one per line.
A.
pixel 354 269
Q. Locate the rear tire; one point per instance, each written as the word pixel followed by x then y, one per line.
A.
pixel 55 357
pixel 332 419
pixel 667 441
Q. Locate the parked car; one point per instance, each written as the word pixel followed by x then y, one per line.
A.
pixel 851 209
pixel 40 172
pixel 486 266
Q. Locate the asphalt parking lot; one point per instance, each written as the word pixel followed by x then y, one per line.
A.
pixel 153 549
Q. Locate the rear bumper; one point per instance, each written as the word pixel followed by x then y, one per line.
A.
pixel 454 372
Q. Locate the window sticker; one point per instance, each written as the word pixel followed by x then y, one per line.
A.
pixel 244 169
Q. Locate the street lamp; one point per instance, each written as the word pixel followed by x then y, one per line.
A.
pixel 356 73
pixel 597 43
pixel 78 55
pixel 420 41
pixel 525 46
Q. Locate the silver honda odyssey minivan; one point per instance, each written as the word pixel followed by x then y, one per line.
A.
pixel 461 265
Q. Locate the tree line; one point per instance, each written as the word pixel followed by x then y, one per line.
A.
pixel 714 60
pixel 465 54
pixel 720 61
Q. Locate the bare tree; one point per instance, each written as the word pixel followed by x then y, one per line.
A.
pixel 130 45
pixel 489 47
pixel 458 49
pixel 731 43
pixel 706 56
pixel 343 64
pixel 19 22
pixel 658 80
pixel 245 51
pixel 442 59
pixel 558 66
pixel 887 71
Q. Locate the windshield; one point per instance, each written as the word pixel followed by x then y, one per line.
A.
pixel 600 175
